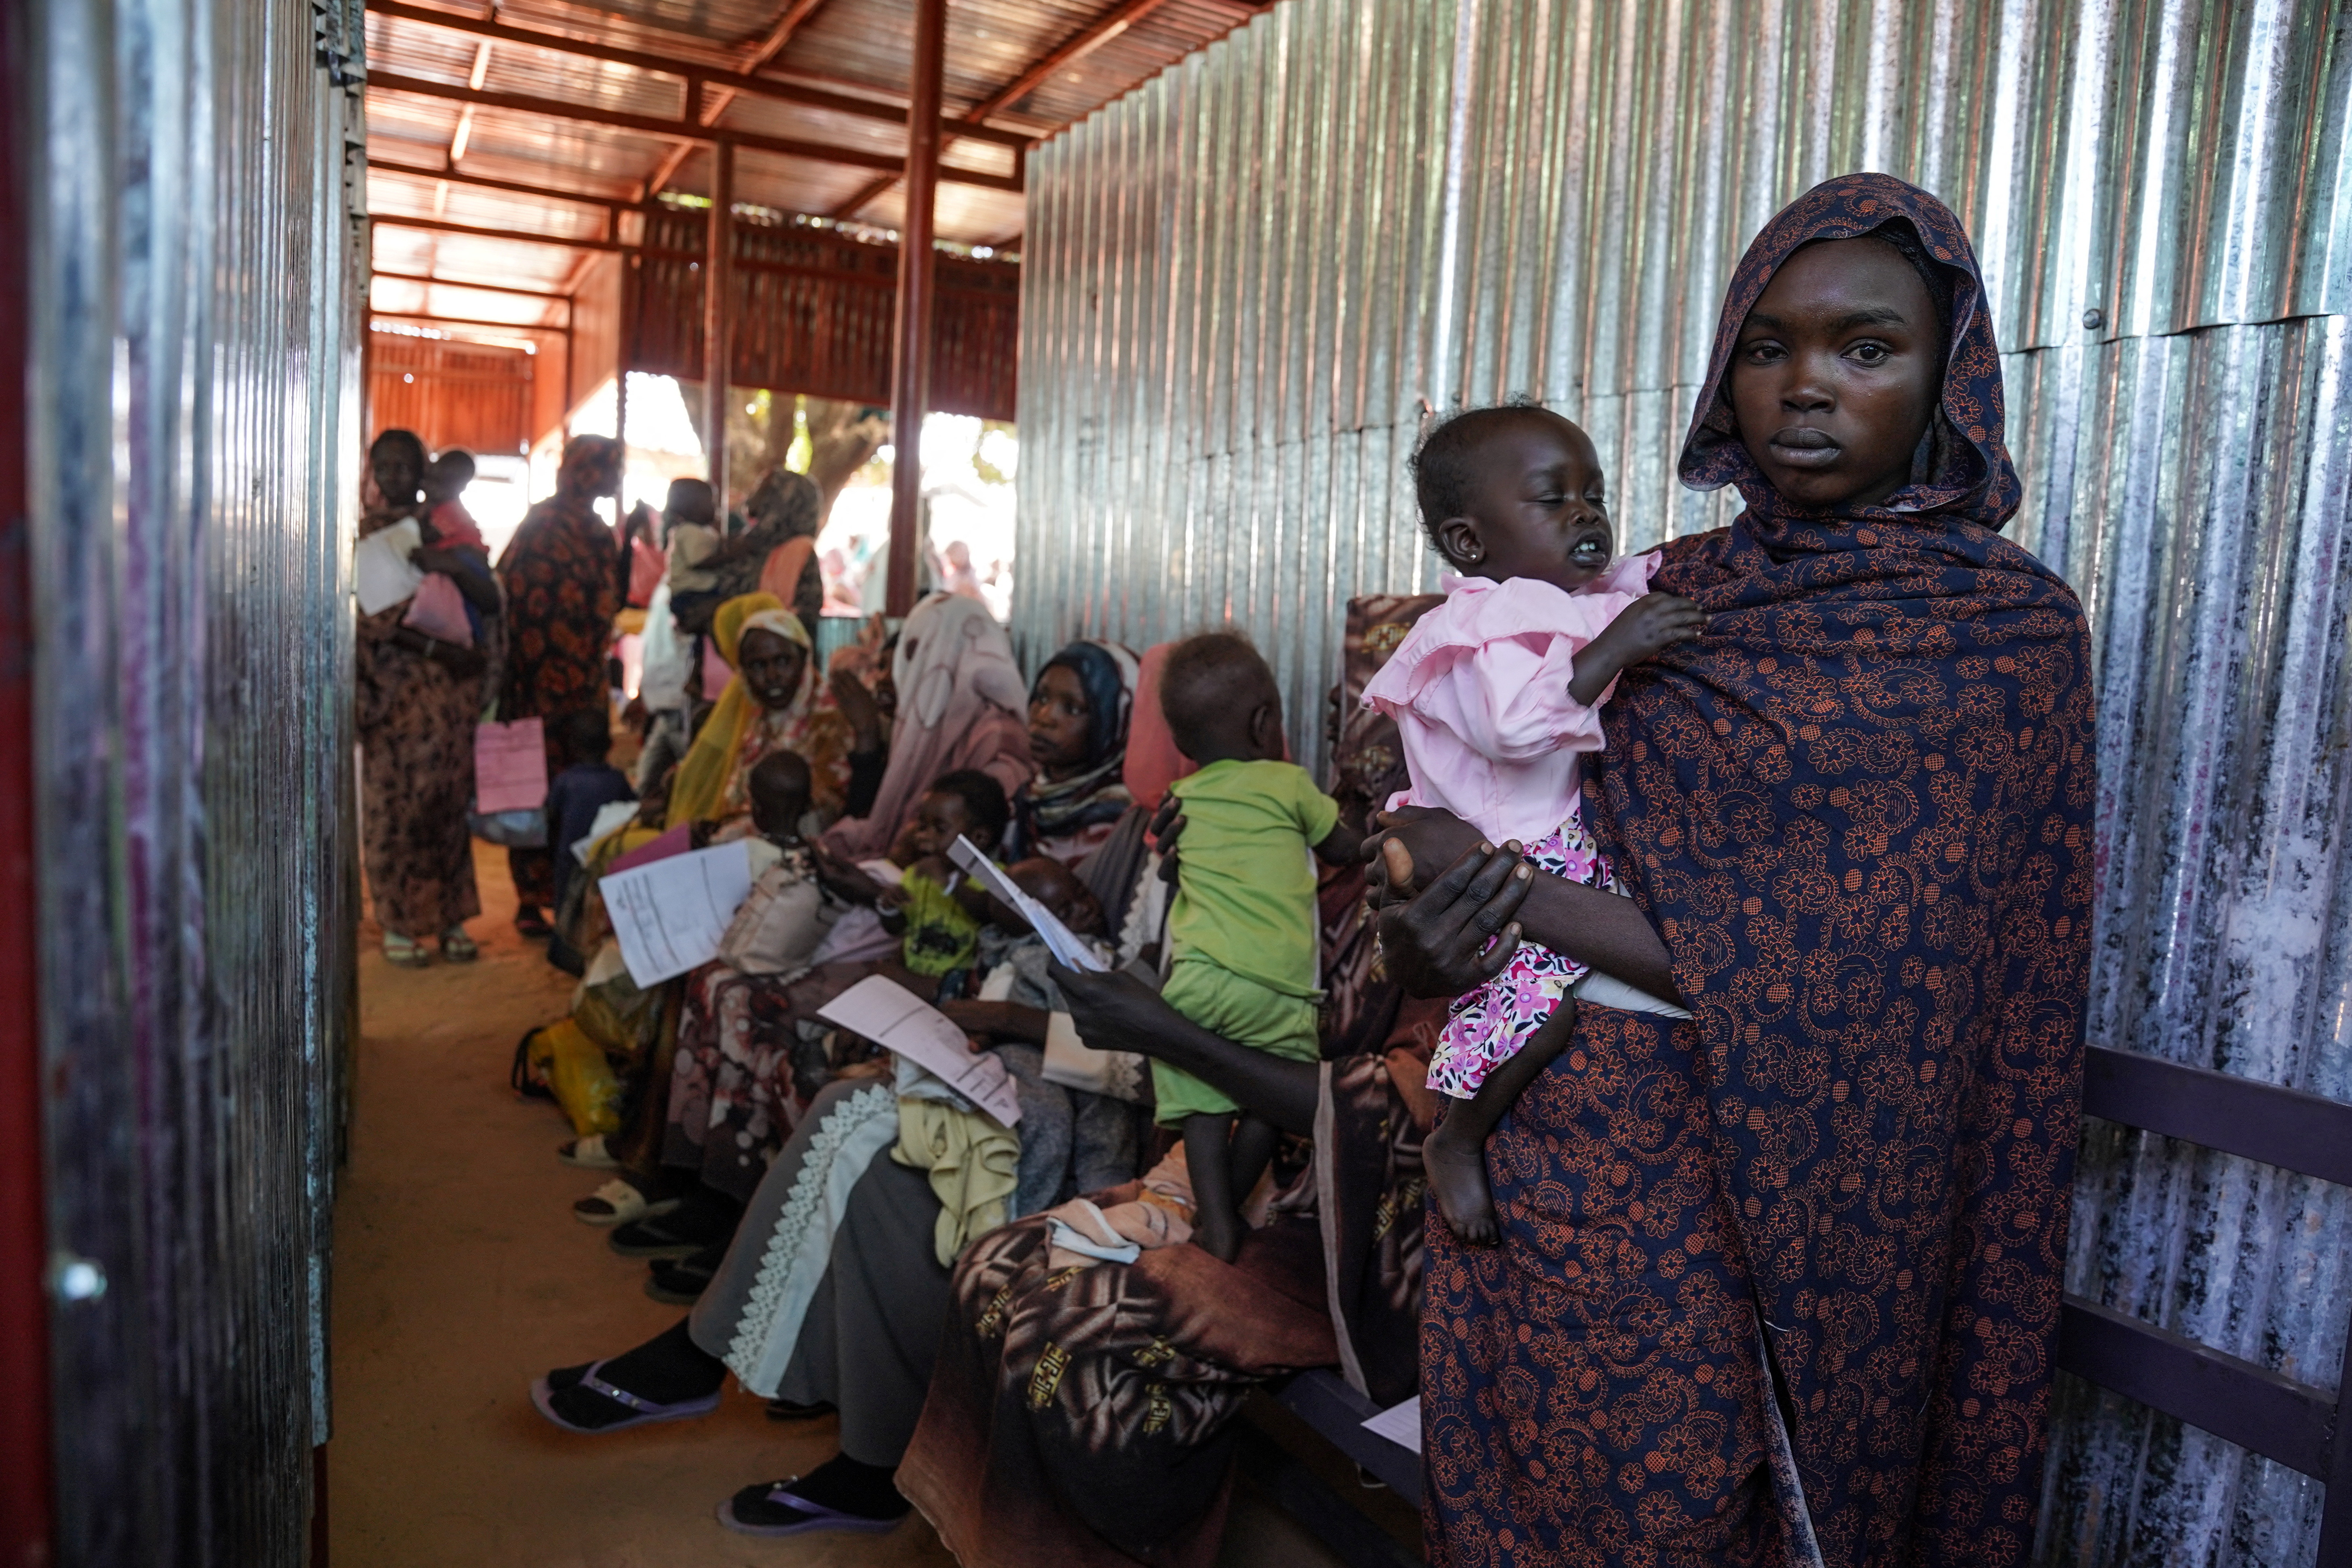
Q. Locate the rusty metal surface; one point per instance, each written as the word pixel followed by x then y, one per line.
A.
pixel 1246 281
pixel 861 47
pixel 814 313
pixel 197 259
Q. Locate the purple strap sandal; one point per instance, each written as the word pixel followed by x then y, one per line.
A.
pixel 813 1516
pixel 647 1411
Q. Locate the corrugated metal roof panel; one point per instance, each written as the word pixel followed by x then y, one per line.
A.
pixel 393 193
pixel 726 21
pixel 968 214
pixel 769 117
pixel 603 26
pixel 414 48
pixel 786 184
pixel 1134 55
pixel 555 146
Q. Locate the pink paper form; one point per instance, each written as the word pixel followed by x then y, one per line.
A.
pixel 509 766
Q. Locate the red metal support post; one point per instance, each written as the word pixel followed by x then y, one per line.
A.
pixel 911 385
pixel 718 278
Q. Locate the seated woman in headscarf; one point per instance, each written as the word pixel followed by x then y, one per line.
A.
pixel 1080 707
pixel 960 698
pixel 774 703
pixel 835 1292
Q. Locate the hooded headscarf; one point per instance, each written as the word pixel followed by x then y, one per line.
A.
pixel 716 757
pixel 1858 809
pixel 961 701
pixel 1152 761
pixel 1068 818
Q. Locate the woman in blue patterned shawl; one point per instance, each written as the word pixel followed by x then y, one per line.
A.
pixel 1079 706
pixel 1780 1283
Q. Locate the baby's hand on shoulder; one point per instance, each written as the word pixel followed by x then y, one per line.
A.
pixel 1652 624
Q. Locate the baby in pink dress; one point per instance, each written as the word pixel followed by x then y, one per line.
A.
pixel 1496 694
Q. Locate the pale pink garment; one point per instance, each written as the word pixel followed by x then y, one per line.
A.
pixel 1153 762
pixel 961 703
pixel 1480 691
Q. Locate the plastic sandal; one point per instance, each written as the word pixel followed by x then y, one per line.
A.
pixel 458 947
pixel 818 1517
pixel 648 1412
pixel 405 951
pixel 618 1202
pixel 589 1152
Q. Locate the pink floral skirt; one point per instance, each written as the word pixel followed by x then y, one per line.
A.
pixel 1486 1027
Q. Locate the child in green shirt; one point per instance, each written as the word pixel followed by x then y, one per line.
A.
pixel 934 908
pixel 1242 932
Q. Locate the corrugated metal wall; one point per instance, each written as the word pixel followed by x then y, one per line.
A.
pixel 1246 281
pixel 194 394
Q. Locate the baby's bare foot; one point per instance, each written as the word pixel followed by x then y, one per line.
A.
pixel 1456 1168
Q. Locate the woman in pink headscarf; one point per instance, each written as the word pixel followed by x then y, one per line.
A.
pixel 961 702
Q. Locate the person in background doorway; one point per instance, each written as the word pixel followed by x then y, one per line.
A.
pixel 562 591
pixel 416 699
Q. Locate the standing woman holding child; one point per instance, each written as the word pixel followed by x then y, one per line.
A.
pixel 1780 1283
pixel 416 699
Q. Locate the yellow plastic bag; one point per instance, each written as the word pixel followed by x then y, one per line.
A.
pixel 574 1069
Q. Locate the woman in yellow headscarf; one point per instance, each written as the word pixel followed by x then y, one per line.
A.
pixel 774 703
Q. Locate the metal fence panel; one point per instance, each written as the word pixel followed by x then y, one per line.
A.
pixel 1248 281
pixel 195 272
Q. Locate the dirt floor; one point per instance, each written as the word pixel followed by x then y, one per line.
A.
pixel 459 1274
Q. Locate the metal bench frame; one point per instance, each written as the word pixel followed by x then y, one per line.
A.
pixel 2294 1422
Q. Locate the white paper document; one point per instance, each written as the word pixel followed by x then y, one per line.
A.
pixel 613 814
pixel 670 914
pixel 1060 940
pixel 381 575
pixel 894 1018
pixel 1400 1424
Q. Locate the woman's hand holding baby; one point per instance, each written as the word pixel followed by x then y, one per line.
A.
pixel 1459 932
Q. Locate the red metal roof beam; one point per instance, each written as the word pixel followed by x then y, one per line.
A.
pixel 732 81
pixel 779 35
pixel 1076 46
pixel 514 187
pixel 655 125
pixel 542 295
pixel 516 236
pixel 1079 45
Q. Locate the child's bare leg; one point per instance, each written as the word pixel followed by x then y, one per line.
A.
pixel 1208 1158
pixel 1454 1156
pixel 1254 1141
